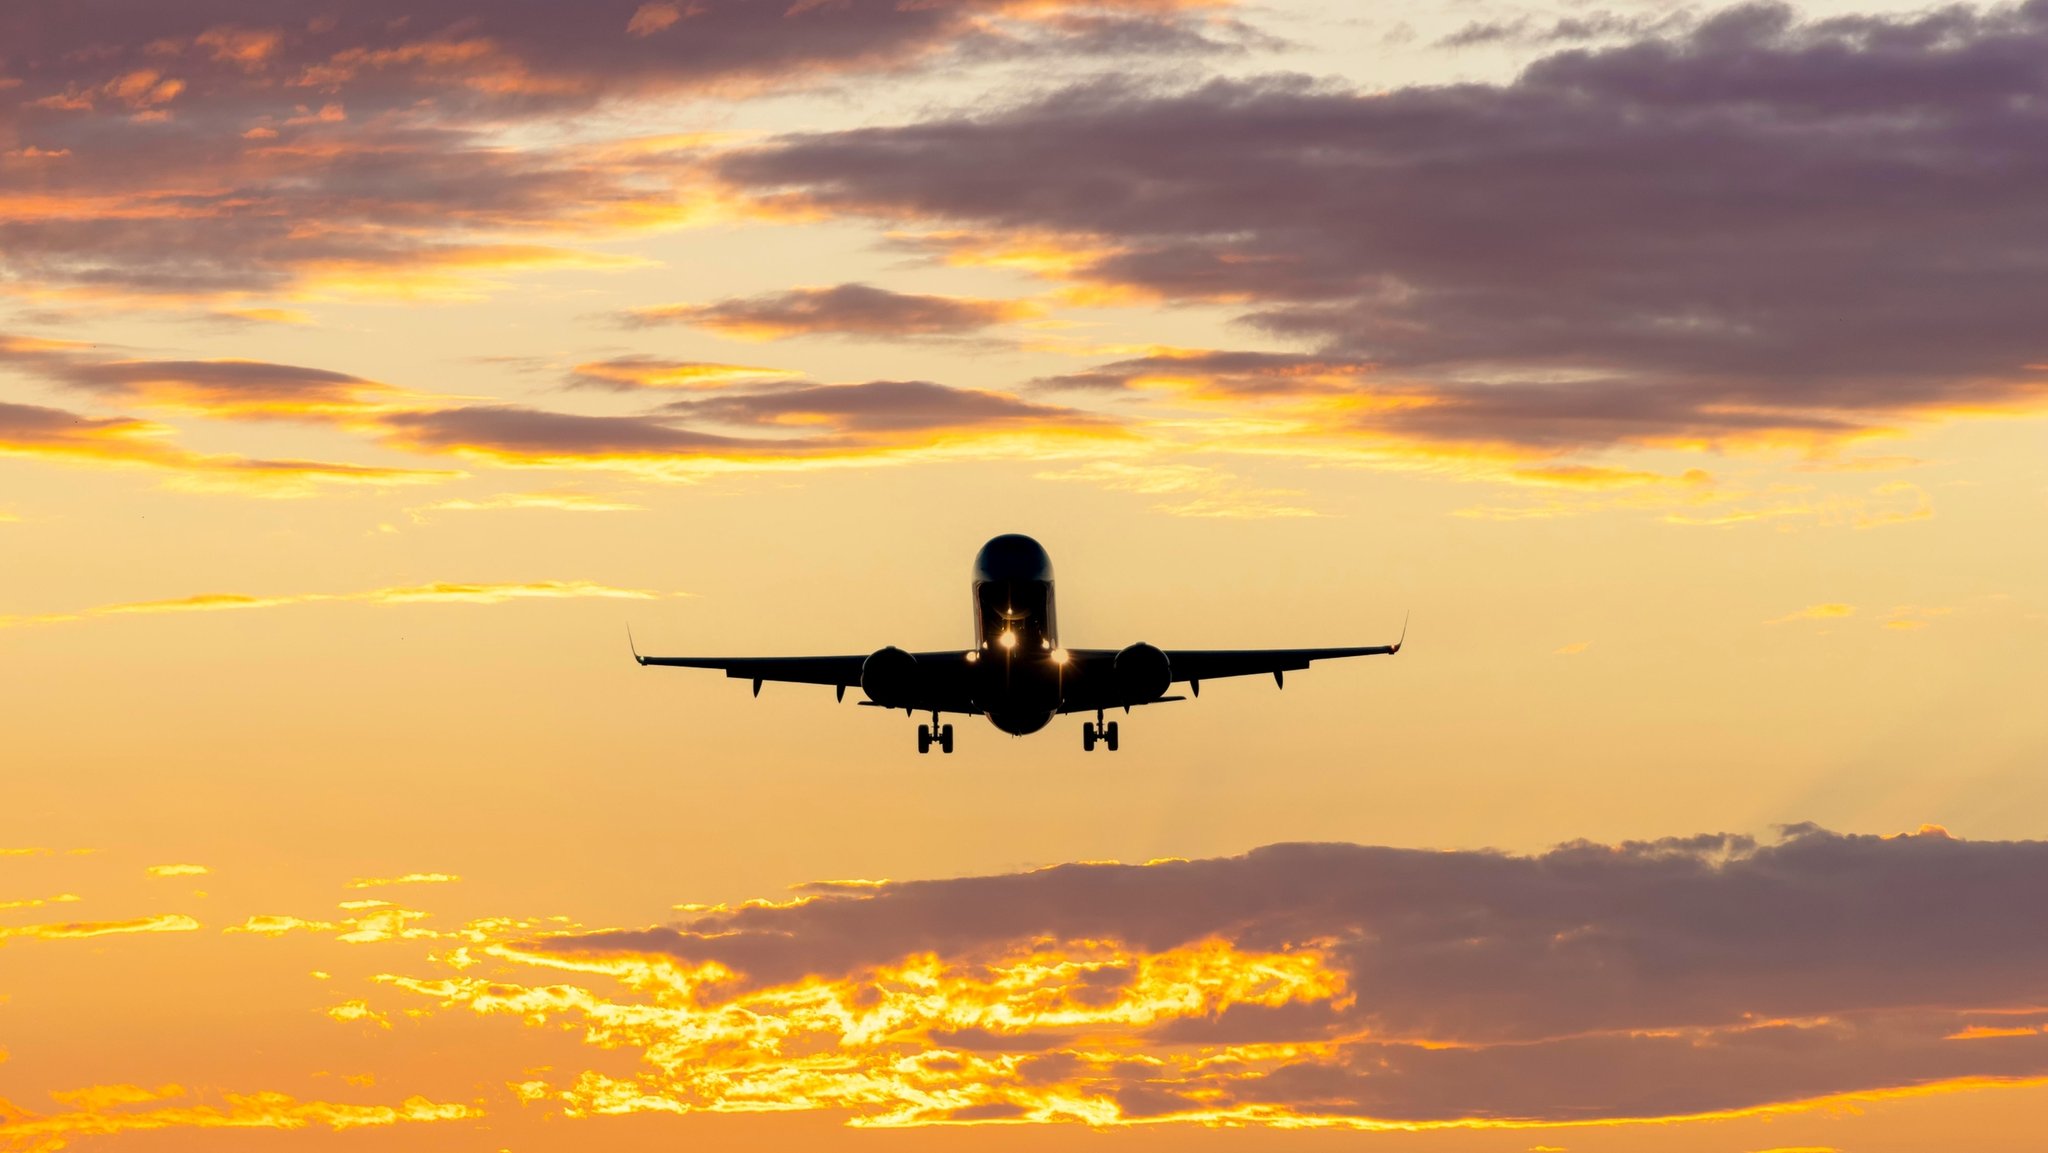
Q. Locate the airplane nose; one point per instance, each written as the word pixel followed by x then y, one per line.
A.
pixel 1012 557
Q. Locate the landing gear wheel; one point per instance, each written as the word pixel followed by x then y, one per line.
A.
pixel 946 738
pixel 1109 736
pixel 924 738
pixel 1087 738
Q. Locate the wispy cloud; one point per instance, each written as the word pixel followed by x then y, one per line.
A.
pixel 39 902
pixel 1830 611
pixel 548 501
pixel 71 930
pixel 178 870
pixel 442 592
pixel 404 879
pixel 841 310
pixel 56 434
pixel 105 1110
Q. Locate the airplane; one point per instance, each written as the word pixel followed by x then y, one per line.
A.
pixel 1016 673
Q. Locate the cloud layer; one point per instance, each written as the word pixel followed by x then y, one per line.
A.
pixel 209 151
pixel 1760 231
pixel 1323 984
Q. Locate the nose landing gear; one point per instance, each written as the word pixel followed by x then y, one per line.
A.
pixel 935 733
pixel 1098 732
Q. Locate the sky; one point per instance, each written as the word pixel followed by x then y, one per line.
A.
pixel 1676 372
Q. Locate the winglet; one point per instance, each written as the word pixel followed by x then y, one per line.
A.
pixel 1404 634
pixel 632 648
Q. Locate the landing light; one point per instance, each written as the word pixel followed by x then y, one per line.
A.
pixel 1059 656
pixel 1008 640
pixel 973 657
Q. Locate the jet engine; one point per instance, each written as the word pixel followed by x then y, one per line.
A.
pixel 889 677
pixel 1142 674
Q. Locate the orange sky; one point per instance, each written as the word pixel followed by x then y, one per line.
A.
pixel 365 372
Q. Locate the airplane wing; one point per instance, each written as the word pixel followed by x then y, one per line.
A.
pixel 1093 685
pixel 943 693
pixel 840 671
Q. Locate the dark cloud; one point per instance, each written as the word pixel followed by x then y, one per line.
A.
pixel 227 147
pixel 1647 979
pixel 841 310
pixel 1236 372
pixel 1564 29
pixel 537 434
pixel 815 421
pixel 56 434
pixel 506 56
pixel 1758 227
pixel 876 406
pixel 229 388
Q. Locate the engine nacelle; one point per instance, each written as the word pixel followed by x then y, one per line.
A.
pixel 1142 674
pixel 889 677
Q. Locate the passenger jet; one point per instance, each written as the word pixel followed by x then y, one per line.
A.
pixel 1016 673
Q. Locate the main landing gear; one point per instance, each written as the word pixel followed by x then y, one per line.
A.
pixel 1098 732
pixel 936 733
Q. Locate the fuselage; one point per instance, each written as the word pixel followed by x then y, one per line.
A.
pixel 1017 656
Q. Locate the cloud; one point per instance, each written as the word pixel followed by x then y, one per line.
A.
pixel 39 902
pixel 57 434
pixel 841 310
pixel 874 407
pixel 220 388
pixel 213 150
pixel 104 1110
pixel 440 592
pixel 1832 611
pixel 633 373
pixel 1760 233
pixel 717 422
pixel 551 501
pixel 406 879
pixel 1188 489
pixel 1316 984
pixel 178 870
pixel 777 425
pixel 73 930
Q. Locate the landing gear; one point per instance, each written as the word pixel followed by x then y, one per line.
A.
pixel 1098 732
pixel 935 733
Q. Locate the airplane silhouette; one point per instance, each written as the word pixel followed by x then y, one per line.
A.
pixel 1017 674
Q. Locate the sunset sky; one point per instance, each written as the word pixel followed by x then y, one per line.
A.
pixel 367 369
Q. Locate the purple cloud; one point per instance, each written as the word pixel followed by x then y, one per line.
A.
pixel 1761 226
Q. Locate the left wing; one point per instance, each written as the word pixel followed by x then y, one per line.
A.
pixel 1093 683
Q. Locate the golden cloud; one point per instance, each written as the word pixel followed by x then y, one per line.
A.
pixel 1301 986
pixel 404 879
pixel 72 930
pixel 101 1111
pixel 442 592
pixel 178 870
pixel 1831 611
pixel 55 434
pixel 39 902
